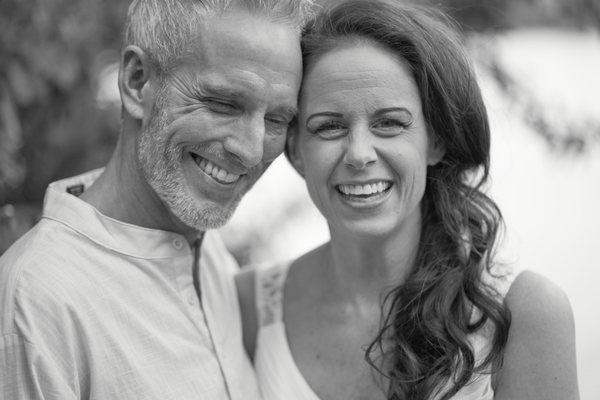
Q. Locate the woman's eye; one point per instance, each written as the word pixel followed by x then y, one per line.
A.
pixel 329 130
pixel 389 126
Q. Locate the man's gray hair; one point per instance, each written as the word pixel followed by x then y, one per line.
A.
pixel 162 28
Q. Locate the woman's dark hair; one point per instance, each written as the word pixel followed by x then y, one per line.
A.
pixel 423 344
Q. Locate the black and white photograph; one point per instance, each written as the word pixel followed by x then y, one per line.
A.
pixel 299 200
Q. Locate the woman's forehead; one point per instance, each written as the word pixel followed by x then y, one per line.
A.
pixel 355 72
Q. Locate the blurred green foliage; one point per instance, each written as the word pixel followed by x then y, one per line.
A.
pixel 51 54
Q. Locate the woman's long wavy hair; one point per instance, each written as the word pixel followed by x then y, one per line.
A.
pixel 422 347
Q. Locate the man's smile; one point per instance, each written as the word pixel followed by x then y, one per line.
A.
pixel 217 173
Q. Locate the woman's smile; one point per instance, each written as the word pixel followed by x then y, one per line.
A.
pixel 366 194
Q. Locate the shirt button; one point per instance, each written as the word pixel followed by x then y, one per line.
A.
pixel 192 299
pixel 178 244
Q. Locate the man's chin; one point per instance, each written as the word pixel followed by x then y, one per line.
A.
pixel 205 216
pixel 196 211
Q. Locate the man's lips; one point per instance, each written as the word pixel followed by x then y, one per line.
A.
pixel 219 174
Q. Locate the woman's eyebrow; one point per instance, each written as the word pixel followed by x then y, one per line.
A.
pixel 391 109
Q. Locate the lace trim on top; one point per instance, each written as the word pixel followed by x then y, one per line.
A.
pixel 269 284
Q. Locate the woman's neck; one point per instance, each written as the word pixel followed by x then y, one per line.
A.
pixel 362 268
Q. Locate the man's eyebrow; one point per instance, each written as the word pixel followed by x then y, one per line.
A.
pixel 221 91
pixel 211 89
pixel 324 114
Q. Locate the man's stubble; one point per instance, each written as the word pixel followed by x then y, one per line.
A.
pixel 161 161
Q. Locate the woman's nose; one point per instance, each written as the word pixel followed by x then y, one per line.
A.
pixel 360 150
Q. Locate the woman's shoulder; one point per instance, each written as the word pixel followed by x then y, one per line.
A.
pixel 256 279
pixel 246 278
pixel 540 352
pixel 533 300
pixel 534 294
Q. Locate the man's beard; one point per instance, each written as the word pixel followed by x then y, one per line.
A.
pixel 161 165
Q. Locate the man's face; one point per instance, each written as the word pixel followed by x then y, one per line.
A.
pixel 221 116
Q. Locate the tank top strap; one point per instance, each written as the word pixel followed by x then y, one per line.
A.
pixel 269 283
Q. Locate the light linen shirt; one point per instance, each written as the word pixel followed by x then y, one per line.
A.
pixel 94 308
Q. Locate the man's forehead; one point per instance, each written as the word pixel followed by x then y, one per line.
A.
pixel 246 55
pixel 236 36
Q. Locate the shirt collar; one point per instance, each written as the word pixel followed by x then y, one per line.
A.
pixel 137 241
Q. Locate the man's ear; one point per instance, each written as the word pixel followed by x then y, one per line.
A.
pixel 291 149
pixel 134 76
pixel 435 151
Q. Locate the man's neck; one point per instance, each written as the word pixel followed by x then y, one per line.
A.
pixel 122 193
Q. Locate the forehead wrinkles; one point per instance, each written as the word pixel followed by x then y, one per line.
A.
pixel 369 89
pixel 243 57
pixel 325 81
pixel 232 82
pixel 247 39
pixel 360 66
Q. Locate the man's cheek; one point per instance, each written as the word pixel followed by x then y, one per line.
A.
pixel 273 148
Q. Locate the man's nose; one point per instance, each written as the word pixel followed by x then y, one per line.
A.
pixel 360 150
pixel 247 143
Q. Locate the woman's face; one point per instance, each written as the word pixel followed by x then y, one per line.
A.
pixel 362 142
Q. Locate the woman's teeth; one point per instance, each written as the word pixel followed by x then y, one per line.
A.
pixel 364 190
pixel 217 173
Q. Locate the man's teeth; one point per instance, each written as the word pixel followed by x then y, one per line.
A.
pixel 368 189
pixel 219 174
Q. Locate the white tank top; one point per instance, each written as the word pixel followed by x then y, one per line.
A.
pixel 277 373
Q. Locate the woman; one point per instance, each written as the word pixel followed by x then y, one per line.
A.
pixel 405 301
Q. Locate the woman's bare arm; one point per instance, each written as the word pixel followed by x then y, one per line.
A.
pixel 539 361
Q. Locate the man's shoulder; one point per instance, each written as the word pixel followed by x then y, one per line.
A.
pixel 38 268
pixel 45 245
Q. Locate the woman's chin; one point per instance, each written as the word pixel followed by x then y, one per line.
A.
pixel 366 230
pixel 379 227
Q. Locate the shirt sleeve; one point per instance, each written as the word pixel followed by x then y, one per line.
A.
pixel 28 374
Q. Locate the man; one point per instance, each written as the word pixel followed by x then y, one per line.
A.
pixel 121 293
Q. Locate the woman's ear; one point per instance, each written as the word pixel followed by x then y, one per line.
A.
pixel 291 149
pixel 435 151
pixel 134 76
